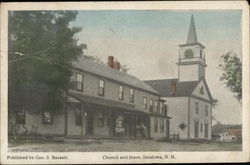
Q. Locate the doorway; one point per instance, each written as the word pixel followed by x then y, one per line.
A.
pixel 90 123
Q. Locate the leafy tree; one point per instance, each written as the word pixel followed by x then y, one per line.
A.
pixel 232 73
pixel 42 47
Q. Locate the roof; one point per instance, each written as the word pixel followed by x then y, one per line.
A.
pixel 163 86
pixel 101 101
pixel 234 132
pixel 102 70
pixel 192 37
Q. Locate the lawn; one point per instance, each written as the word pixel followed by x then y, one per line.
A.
pixel 121 145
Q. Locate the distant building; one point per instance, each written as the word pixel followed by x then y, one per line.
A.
pixel 189 101
pixel 231 135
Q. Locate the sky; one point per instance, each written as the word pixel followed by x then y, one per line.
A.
pixel 147 42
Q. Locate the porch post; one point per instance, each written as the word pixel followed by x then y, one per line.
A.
pixel 110 123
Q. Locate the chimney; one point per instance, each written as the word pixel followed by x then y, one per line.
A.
pixel 173 87
pixel 117 65
pixel 110 62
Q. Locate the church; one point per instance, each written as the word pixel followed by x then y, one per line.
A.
pixel 189 101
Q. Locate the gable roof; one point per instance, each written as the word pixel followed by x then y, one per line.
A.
pixel 186 88
pixel 234 132
pixel 88 65
pixel 163 86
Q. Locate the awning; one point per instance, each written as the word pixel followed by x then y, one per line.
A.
pixel 101 101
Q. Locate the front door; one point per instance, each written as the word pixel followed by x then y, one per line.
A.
pixel 196 129
pixel 128 125
pixel 90 119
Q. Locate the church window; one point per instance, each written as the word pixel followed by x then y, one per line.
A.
pixel 206 110
pixel 182 126
pixel 202 90
pixel 189 53
pixel 196 107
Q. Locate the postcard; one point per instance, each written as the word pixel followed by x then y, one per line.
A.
pixel 124 82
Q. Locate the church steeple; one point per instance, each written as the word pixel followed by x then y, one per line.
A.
pixel 191 64
pixel 192 37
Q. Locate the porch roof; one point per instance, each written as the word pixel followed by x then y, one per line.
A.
pixel 101 101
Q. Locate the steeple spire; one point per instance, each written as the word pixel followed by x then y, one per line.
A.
pixel 191 38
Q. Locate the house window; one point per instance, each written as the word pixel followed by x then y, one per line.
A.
pixel 196 107
pixel 155 125
pixel 201 127
pixel 131 95
pixel 47 118
pixel 20 117
pixel 120 121
pixel 121 91
pixel 156 106
pixel 206 110
pixel 165 113
pixel 100 119
pixel 145 102
pixel 79 82
pixel 162 126
pixel 151 105
pixel 161 108
pixel 101 88
pixel 78 115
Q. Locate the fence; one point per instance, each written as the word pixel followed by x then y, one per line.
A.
pixel 174 136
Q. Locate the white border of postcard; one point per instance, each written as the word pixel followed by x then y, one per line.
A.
pixel 97 157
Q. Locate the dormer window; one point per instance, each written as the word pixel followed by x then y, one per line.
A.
pixel 189 53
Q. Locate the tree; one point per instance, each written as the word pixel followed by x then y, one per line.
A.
pixel 232 73
pixel 42 47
